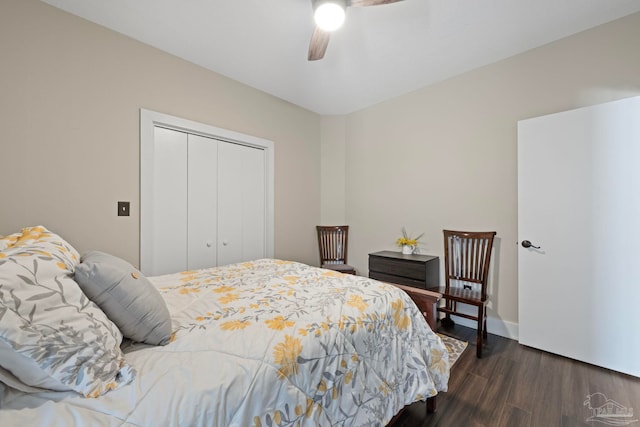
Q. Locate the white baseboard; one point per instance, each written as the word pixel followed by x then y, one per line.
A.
pixel 494 326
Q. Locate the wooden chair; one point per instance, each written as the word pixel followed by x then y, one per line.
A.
pixel 466 261
pixel 332 243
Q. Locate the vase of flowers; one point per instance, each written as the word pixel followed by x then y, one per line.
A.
pixel 408 244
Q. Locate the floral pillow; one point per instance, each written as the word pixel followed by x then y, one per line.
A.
pixel 51 335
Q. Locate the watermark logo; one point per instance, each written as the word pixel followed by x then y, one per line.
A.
pixel 607 411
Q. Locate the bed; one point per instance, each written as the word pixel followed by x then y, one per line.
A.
pixel 262 343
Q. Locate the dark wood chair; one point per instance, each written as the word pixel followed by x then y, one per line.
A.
pixel 332 243
pixel 466 263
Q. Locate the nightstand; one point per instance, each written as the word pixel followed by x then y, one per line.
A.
pixel 419 271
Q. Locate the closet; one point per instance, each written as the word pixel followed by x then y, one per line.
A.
pixel 206 199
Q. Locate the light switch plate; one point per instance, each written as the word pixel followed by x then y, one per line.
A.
pixel 123 208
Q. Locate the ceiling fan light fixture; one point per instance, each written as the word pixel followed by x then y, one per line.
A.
pixel 329 15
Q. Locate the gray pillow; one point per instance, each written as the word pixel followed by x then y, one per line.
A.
pixel 125 296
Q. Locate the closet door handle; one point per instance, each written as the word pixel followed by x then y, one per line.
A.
pixel 225 243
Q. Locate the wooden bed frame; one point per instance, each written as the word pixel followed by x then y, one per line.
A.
pixel 427 302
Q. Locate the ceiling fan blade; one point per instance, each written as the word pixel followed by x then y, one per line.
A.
pixel 359 3
pixel 318 44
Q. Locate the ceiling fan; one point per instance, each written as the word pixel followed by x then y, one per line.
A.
pixel 329 15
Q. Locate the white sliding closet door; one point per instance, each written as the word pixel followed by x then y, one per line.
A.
pixel 168 202
pixel 206 195
pixel 241 203
pixel 202 205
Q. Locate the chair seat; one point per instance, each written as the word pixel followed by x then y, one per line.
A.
pixel 342 268
pixel 461 294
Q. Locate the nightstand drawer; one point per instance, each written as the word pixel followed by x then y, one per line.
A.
pixel 398 267
pixel 397 279
pixel 419 271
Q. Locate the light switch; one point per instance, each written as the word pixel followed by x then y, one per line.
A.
pixel 123 208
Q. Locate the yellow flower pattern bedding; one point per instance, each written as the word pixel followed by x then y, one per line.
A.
pixel 267 343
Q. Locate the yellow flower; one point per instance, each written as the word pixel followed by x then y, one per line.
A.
pixel 230 297
pixel 234 325
pixel 309 410
pixel 384 388
pixel 224 288
pixel 356 301
pixel 348 377
pixel 400 319
pixel 279 323
pixel 331 273
pixel 257 422
pixel 286 355
pixel 32 233
pixel 438 362
pixel 185 291
pixel 406 240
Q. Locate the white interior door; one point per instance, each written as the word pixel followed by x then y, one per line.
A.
pixel 579 200
pixel 241 203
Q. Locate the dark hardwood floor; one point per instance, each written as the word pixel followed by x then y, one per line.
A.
pixel 513 385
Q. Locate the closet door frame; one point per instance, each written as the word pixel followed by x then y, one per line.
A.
pixel 151 119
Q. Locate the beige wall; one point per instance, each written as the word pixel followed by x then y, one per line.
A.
pixel 70 94
pixel 333 170
pixel 445 156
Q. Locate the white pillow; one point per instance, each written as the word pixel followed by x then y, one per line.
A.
pixel 51 335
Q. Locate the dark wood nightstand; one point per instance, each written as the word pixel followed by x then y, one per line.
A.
pixel 419 271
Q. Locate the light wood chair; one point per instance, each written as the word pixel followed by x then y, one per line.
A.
pixel 466 261
pixel 332 243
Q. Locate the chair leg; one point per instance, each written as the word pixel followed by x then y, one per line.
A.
pixel 484 328
pixel 446 322
pixel 480 333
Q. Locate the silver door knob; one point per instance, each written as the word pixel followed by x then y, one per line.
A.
pixel 208 243
pixel 225 243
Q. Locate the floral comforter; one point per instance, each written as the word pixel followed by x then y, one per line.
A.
pixel 265 343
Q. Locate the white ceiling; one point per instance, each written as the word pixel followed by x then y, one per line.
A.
pixel 380 52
